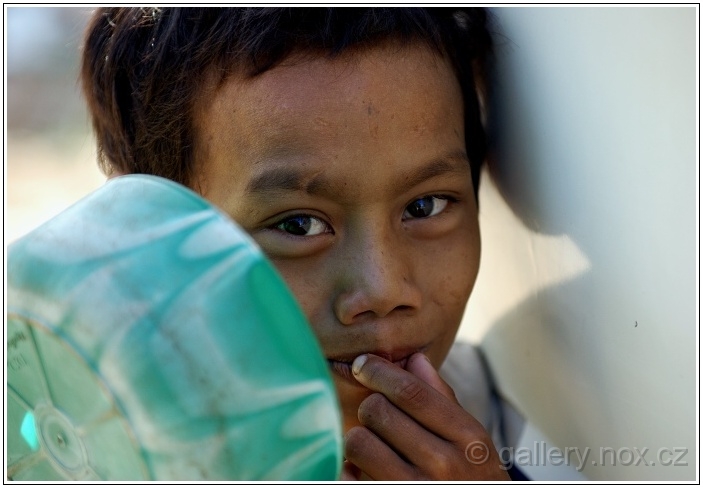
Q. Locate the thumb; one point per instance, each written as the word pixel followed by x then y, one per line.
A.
pixel 420 366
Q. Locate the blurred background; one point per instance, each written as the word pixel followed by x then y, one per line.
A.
pixel 585 306
pixel 50 154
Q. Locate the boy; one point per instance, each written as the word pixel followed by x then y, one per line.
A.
pixel 348 143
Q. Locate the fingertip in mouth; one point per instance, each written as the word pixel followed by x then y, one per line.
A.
pixel 343 367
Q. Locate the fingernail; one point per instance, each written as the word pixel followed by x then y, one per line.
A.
pixel 359 363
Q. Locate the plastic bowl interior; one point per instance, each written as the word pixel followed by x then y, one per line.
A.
pixel 148 338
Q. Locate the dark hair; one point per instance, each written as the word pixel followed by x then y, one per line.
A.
pixel 144 68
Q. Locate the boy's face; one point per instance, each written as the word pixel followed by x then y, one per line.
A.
pixel 352 176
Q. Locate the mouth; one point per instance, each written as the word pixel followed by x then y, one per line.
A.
pixel 343 367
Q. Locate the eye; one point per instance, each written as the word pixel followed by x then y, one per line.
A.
pixel 426 207
pixel 302 225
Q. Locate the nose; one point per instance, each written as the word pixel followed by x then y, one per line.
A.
pixel 376 279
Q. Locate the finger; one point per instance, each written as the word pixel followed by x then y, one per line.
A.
pixel 399 431
pixel 374 457
pixel 414 396
pixel 349 472
pixel 420 366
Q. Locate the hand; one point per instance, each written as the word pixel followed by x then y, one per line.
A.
pixel 413 428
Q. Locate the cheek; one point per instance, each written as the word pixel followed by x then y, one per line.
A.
pixel 307 287
pixel 453 273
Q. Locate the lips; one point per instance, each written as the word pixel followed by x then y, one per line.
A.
pixel 343 367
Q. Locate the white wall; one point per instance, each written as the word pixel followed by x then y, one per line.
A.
pixel 586 302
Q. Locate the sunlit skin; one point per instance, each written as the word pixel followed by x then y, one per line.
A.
pixel 351 174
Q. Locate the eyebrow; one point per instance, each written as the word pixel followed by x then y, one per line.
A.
pixel 286 179
pixel 457 162
pixel 276 180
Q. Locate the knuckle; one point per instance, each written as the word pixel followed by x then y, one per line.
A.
pixel 411 391
pixel 474 431
pixel 442 467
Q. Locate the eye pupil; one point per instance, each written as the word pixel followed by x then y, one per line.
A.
pixel 298 226
pixel 421 207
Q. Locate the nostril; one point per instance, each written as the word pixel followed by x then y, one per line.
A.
pixel 403 308
pixel 372 314
pixel 372 302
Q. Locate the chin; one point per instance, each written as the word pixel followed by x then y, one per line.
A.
pixel 350 397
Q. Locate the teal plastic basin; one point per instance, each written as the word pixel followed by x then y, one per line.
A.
pixel 148 338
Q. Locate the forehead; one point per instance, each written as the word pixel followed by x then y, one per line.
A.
pixel 314 112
